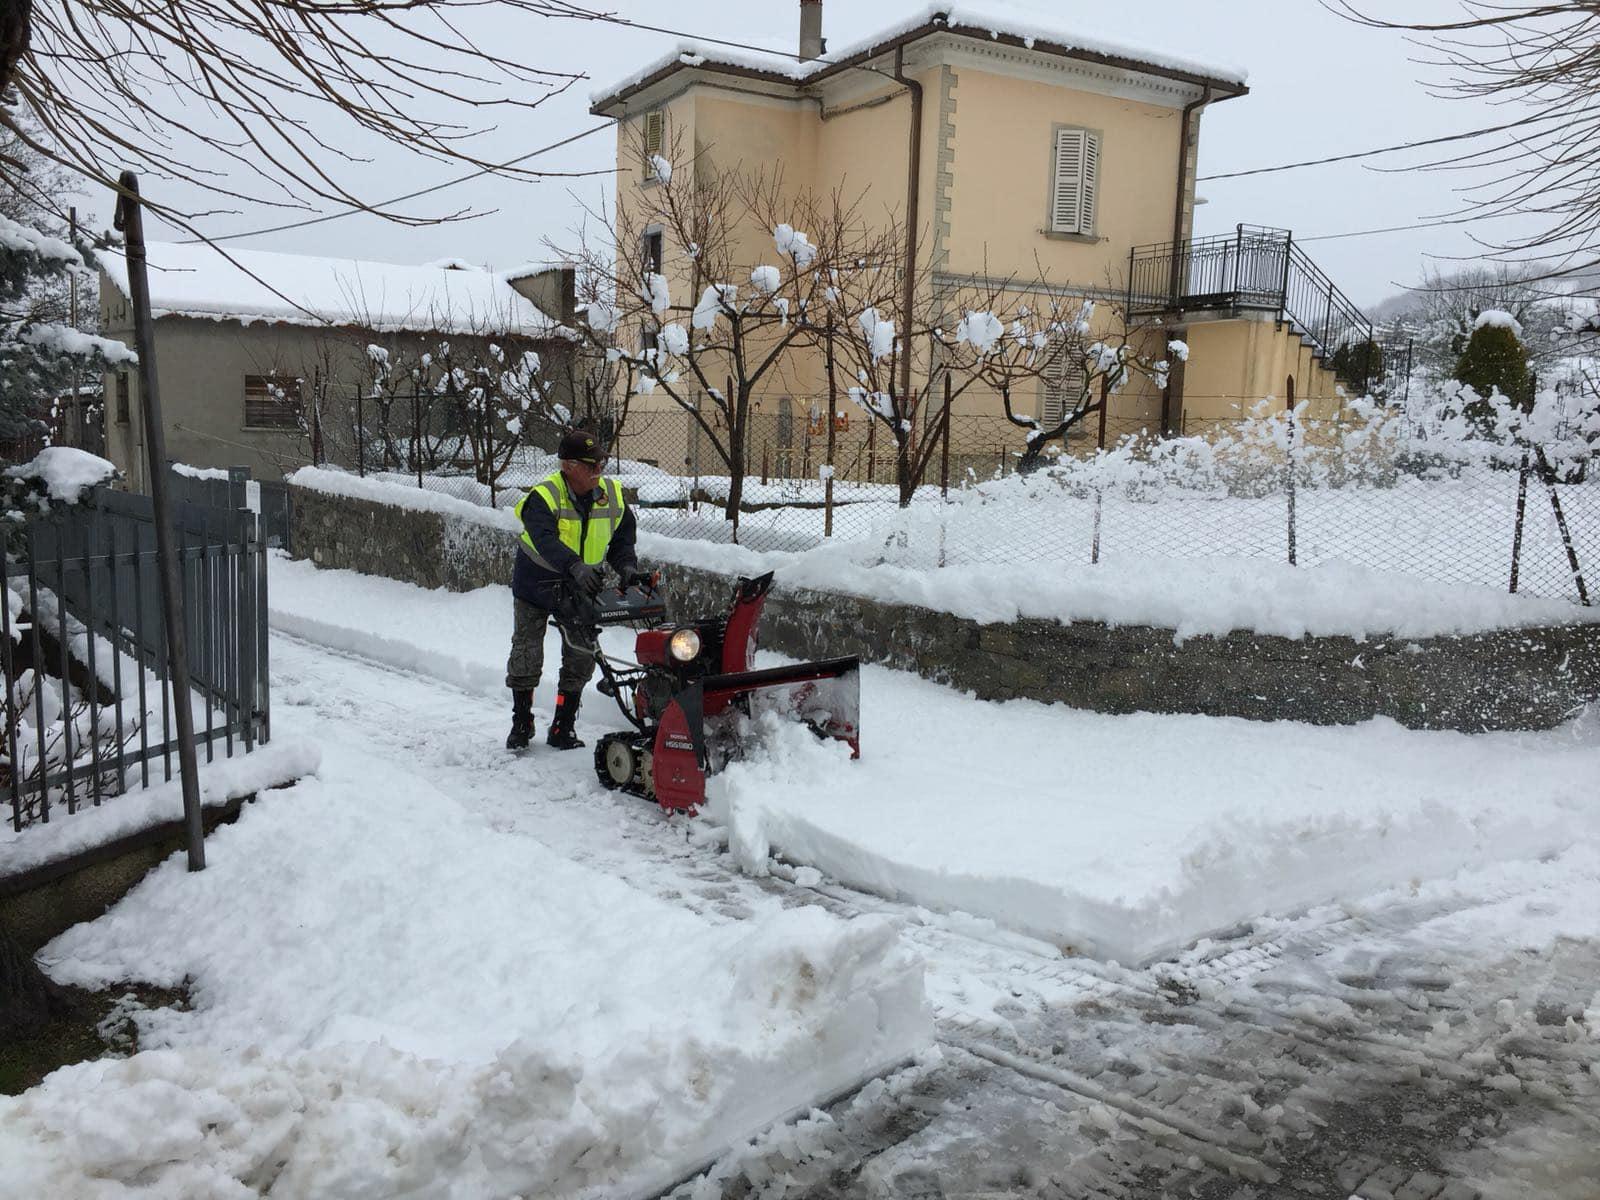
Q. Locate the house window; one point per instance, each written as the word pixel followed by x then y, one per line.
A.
pixel 1062 387
pixel 649 339
pixel 122 397
pixel 654 246
pixel 655 137
pixel 271 402
pixel 1076 182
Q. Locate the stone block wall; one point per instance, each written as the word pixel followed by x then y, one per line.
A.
pixel 431 549
pixel 1509 679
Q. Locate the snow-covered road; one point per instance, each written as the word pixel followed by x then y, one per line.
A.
pixel 1441 1041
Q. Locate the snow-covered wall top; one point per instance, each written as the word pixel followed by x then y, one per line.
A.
pixel 993 19
pixel 259 285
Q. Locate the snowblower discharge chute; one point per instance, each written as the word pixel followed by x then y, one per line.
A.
pixel 693 690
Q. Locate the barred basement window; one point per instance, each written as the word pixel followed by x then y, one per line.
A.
pixel 1076 182
pixel 271 402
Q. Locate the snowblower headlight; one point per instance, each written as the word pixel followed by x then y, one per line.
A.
pixel 685 645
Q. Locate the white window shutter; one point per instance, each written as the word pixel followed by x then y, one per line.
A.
pixel 1066 209
pixel 1091 183
pixel 654 138
pixel 1063 386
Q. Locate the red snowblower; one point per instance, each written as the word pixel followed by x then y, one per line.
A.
pixel 693 690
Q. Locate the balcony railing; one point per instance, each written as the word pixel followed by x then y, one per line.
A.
pixel 1257 269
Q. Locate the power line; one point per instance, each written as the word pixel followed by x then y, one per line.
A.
pixel 1394 149
pixel 351 210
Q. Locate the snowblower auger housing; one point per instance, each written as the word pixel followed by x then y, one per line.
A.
pixel 694 688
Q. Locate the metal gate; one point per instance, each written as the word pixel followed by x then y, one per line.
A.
pixel 89 706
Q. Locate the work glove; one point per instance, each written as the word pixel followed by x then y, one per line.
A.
pixel 589 579
pixel 633 575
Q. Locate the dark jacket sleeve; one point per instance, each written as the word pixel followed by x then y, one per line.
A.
pixel 540 523
pixel 622 552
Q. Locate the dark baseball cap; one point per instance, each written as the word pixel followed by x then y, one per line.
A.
pixel 578 446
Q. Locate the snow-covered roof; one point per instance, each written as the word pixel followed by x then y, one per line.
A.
pixel 297 289
pixel 993 20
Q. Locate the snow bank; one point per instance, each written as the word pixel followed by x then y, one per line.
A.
pixel 1132 837
pixel 458 637
pixel 393 998
pixel 378 491
pixel 221 780
pixel 1192 597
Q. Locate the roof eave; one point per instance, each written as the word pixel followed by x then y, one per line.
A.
pixel 615 105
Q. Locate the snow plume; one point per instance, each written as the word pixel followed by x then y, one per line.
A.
pixel 602 316
pixel 879 334
pixel 661 168
pixel 1085 318
pixel 796 245
pixel 675 339
pixel 767 280
pixel 1178 349
pixel 981 330
pixel 716 300
pixel 657 292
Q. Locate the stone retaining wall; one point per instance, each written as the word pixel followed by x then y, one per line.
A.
pixel 1510 679
pixel 431 549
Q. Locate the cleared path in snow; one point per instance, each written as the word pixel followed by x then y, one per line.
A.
pixel 1436 1042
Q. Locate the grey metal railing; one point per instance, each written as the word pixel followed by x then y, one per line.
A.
pixel 89 706
pixel 1256 269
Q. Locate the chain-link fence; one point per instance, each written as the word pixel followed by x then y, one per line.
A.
pixel 1301 492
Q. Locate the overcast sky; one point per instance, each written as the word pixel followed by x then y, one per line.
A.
pixel 1320 86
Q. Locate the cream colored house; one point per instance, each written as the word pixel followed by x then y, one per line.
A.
pixel 1022 149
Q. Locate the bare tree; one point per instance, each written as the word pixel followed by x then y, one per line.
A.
pixel 989 336
pixel 706 286
pixel 1087 369
pixel 268 89
pixel 1544 57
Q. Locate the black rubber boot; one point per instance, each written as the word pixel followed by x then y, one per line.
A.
pixel 521 721
pixel 561 735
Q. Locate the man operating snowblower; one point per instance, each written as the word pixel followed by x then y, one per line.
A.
pixel 573 521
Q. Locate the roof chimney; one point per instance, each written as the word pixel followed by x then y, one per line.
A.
pixel 811 44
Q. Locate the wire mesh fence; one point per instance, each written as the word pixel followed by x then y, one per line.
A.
pixel 1302 492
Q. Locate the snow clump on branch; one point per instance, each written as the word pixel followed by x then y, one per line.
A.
pixel 717 299
pixel 675 339
pixel 658 292
pixel 980 330
pixel 602 316
pixel 879 334
pixel 661 168
pixel 796 245
pixel 767 280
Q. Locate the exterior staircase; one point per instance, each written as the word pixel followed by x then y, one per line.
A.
pixel 1257 270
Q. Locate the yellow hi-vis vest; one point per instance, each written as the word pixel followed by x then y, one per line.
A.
pixel 590 537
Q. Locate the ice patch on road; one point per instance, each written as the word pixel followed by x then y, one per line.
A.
pixel 393 998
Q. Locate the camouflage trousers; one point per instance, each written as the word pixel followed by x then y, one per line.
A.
pixel 526 663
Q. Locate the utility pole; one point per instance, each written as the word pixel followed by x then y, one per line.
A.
pixel 130 220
